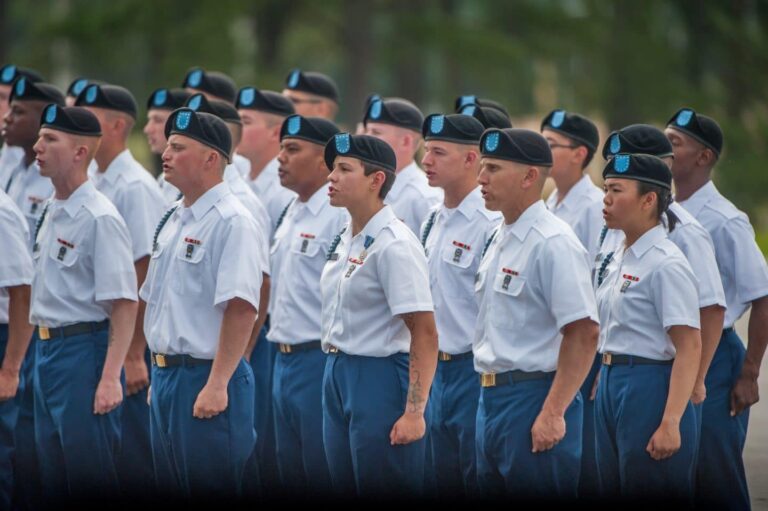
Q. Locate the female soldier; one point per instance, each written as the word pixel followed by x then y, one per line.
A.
pixel 378 327
pixel 649 341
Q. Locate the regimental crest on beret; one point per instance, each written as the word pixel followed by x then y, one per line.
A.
pixel 492 142
pixel 621 163
pixel 467 100
pixel 468 110
pixel 79 85
pixel 8 74
pixel 247 96
pixel 375 111
pixel 615 145
pixel 50 114
pixel 436 124
pixel 161 96
pixel 293 79
pixel 557 118
pixel 194 102
pixel 183 119
pixel 195 77
pixel 90 94
pixel 21 86
pixel 684 117
pixel 294 124
pixel 343 143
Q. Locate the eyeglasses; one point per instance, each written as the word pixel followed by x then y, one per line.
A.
pixel 554 145
pixel 297 101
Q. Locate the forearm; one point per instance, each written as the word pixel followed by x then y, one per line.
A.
pixel 261 316
pixel 236 327
pixel 685 369
pixel 577 353
pixel 139 342
pixel 758 338
pixel 422 359
pixel 712 318
pixel 121 326
pixel 19 329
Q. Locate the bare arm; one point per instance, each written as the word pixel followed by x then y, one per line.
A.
pixel 577 352
pixel 136 370
pixel 261 317
pixel 666 440
pixel 422 365
pixel 19 335
pixel 712 318
pixel 109 392
pixel 236 327
pixel 745 391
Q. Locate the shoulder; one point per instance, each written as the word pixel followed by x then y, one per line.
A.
pixel 491 217
pixel 231 209
pixel 99 205
pixel 724 209
pixel 550 226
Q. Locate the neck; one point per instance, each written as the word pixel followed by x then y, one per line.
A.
pixel 514 211
pixel 687 186
pixel 635 232
pixel 361 214
pixel 310 190
pixel 457 192
pixel 566 182
pixel 193 194
pixel 29 156
pixel 65 185
pixel 107 154
pixel 258 162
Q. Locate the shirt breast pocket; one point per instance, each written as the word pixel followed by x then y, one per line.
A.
pixel 191 269
pixel 457 256
pixel 308 247
pixel 64 256
pixel 508 302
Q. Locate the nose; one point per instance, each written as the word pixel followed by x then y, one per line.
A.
pixel 38 147
pixel 281 156
pixel 482 179
pixel 146 129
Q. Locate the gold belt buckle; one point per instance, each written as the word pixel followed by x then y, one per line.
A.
pixel 488 380
pixel 443 357
pixel 333 349
pixel 43 333
pixel 285 348
pixel 607 359
pixel 160 360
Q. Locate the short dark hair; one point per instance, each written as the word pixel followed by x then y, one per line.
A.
pixel 389 179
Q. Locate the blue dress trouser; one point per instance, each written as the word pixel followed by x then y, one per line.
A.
pixel 588 482
pixel 134 463
pixel 363 397
pixel 26 475
pixel 200 458
pixel 76 448
pixel 721 480
pixel 298 408
pixel 453 413
pixel 628 410
pixel 506 465
pixel 9 413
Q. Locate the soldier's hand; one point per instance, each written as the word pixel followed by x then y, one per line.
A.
pixel 9 384
pixel 593 392
pixel 744 394
pixel 210 402
pixel 408 428
pixel 665 441
pixel 548 429
pixel 699 393
pixel 109 395
pixel 136 375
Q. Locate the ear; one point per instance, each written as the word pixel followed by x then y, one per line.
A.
pixel 81 153
pixel 706 158
pixel 471 159
pixel 531 177
pixel 580 154
pixel 378 180
pixel 648 201
pixel 274 133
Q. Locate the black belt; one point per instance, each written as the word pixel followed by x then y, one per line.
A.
pixel 727 330
pixel 160 360
pixel 87 327
pixel 516 376
pixel 447 357
pixel 287 349
pixel 610 359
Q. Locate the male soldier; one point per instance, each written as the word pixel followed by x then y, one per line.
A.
pixel 10 155
pixel 312 94
pixel 74 90
pixel 214 84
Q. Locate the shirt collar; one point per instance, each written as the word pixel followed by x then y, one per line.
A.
pixel 404 177
pixel 525 222
pixel 700 197
pixel 208 200
pixel 471 203
pixel 378 222
pixel 121 161
pixel 267 175
pixel 78 198
pixel 573 197
pixel 648 240
pixel 316 201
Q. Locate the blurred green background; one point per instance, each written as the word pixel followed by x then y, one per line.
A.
pixel 620 62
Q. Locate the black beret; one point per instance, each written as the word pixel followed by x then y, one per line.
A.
pixel 637 139
pixel 396 111
pixel 251 98
pixel 221 109
pixel 518 145
pixel 639 167
pixel 311 129
pixel 362 147
pixel 488 116
pixel 74 119
pixel 207 129
pixel 9 73
pixel 574 126
pixel 109 97
pixel 24 90
pixel 455 128
pixel 213 82
pixel 462 101
pixel 313 83
pixel 77 86
pixel 167 99
pixel 702 128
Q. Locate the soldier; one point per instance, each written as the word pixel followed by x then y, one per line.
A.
pixel 313 94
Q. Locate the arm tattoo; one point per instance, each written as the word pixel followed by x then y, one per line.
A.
pixel 415 400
